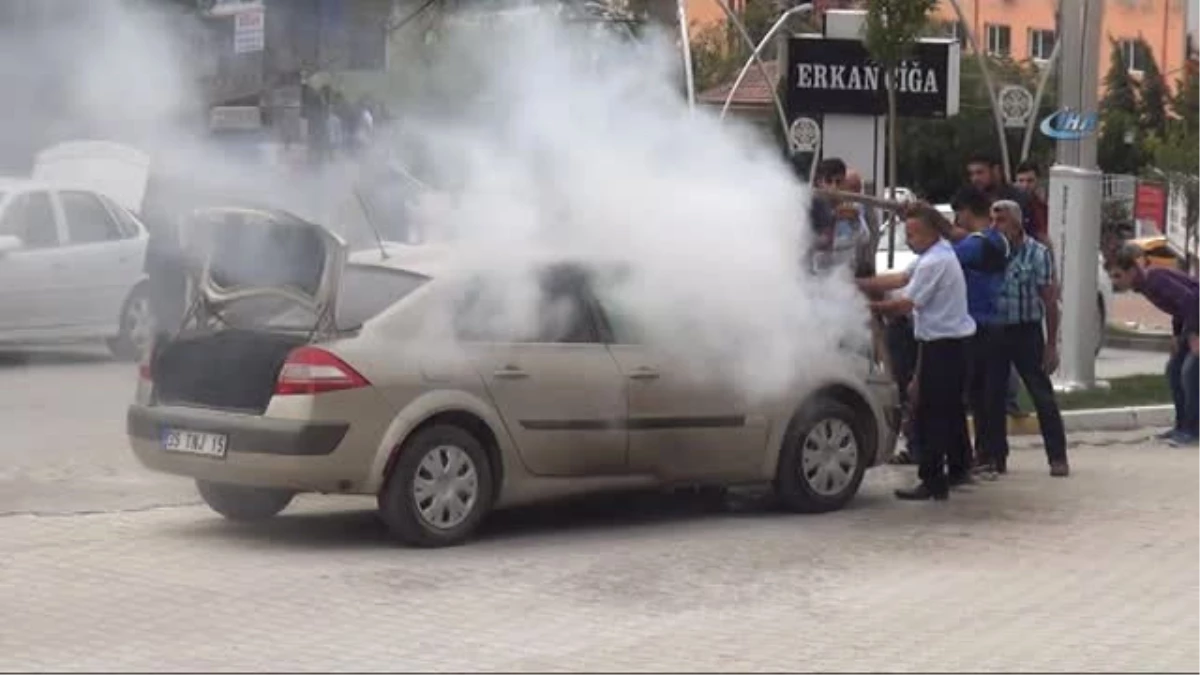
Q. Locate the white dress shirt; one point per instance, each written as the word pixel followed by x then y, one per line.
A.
pixel 938 291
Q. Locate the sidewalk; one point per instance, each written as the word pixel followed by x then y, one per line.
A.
pixel 1133 312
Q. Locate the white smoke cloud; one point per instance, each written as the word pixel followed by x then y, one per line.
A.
pixel 546 136
pixel 580 143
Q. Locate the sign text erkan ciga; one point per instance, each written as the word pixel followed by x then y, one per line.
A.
pixel 839 76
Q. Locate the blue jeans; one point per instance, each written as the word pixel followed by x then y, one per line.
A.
pixel 1184 379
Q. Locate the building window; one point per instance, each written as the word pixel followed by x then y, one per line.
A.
pixel 1134 54
pixel 1041 44
pixel 952 30
pixel 999 39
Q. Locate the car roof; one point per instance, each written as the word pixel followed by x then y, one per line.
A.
pixel 441 259
pixel 14 183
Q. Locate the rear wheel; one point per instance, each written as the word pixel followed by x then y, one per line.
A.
pixel 136 326
pixel 439 489
pixel 242 503
pixel 823 458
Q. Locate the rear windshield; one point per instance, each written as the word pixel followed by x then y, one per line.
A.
pixel 367 291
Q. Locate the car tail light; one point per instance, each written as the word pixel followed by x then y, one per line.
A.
pixel 310 370
pixel 145 372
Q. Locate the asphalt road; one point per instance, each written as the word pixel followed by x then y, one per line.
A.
pixel 104 566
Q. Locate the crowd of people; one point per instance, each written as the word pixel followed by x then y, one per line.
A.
pixel 977 310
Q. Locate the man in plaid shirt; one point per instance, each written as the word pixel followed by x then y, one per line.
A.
pixel 1029 297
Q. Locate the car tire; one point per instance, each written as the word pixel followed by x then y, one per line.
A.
pixel 453 467
pixel 136 326
pixel 824 434
pixel 243 503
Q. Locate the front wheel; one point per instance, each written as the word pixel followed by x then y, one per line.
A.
pixel 439 489
pixel 242 503
pixel 823 459
pixel 136 326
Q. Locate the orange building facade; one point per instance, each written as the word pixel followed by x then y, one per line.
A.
pixel 1025 29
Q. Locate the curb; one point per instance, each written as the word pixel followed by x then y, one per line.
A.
pixel 1146 342
pixel 1100 419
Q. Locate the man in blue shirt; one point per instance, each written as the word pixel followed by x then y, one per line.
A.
pixel 983 253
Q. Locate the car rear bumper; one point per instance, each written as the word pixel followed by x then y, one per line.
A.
pixel 268 452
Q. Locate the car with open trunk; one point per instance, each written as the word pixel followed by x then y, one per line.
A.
pixel 398 373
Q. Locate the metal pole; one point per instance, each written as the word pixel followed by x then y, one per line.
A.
pixel 987 80
pixel 762 68
pixel 799 9
pixel 689 72
pixel 1074 199
pixel 1043 79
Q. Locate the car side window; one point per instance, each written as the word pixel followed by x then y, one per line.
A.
pixel 30 218
pixel 88 221
pixel 552 312
pixel 126 222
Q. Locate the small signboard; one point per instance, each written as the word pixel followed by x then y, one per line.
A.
pixel 837 76
pixel 248 31
pixel 1150 204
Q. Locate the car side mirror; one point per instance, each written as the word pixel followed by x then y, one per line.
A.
pixel 9 243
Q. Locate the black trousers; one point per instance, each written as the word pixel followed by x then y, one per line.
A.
pixel 987 379
pixel 941 412
pixel 1023 347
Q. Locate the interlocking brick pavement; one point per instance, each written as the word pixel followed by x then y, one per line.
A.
pixel 1097 572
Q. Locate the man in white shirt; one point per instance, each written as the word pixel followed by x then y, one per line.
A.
pixel 934 290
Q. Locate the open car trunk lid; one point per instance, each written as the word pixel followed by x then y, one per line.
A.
pixel 264 282
pixel 265 270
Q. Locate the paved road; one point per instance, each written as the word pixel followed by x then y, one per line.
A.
pixel 117 569
pixel 64 450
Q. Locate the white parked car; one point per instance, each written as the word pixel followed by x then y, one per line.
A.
pixel 71 263
pixel 902 256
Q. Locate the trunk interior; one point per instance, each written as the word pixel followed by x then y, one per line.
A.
pixel 229 370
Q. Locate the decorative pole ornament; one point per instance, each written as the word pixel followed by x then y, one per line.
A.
pixel 1016 106
pixel 804 135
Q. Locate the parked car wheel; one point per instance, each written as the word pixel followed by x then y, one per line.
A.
pixel 137 326
pixel 243 503
pixel 439 489
pixel 823 458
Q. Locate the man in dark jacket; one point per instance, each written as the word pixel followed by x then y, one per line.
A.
pixel 1177 294
pixel 986 174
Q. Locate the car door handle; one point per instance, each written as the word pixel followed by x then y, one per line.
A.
pixel 643 374
pixel 510 373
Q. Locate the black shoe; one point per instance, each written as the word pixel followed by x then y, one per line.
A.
pixel 1000 464
pixel 920 493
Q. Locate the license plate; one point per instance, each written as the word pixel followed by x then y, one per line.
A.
pixel 195 442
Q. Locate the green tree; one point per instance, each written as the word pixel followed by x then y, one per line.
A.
pixel 1185 104
pixel 1176 157
pixel 932 153
pixel 1154 93
pixel 1119 119
pixel 892 27
pixel 1119 92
